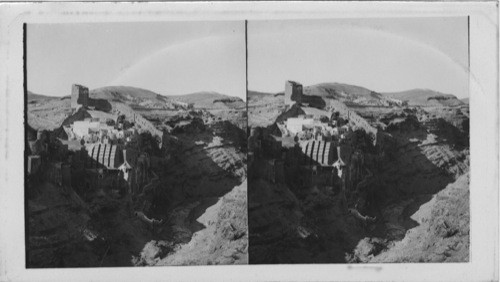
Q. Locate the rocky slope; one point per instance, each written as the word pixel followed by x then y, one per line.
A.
pixel 33 96
pixel 211 100
pixel 224 240
pixel 55 224
pixel 349 94
pixel 263 108
pixel 338 90
pixel 422 183
pixel 45 112
pixel 199 191
pixel 66 231
pixel 200 198
pixel 256 98
pixel 426 97
pixel 202 193
pixel 353 95
pixel 48 114
pixel 443 231
pixel 286 228
pixel 421 151
pixel 124 93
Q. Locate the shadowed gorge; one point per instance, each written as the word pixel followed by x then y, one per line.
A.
pixel 376 199
pixel 147 180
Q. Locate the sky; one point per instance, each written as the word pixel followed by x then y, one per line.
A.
pixel 381 54
pixel 170 58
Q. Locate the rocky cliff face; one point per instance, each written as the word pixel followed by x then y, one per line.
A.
pixel 202 193
pixel 419 153
pixel 224 240
pixel 65 231
pixel 194 193
pixel 422 158
pixel 443 231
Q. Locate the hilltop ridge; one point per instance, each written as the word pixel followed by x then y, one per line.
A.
pixel 425 97
pixel 210 100
pixel 144 97
pixel 354 95
pixel 34 96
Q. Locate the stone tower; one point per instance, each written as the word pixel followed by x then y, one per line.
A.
pixel 293 92
pixel 79 96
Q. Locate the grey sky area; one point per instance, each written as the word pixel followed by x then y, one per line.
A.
pixel 169 58
pixel 384 55
pixel 173 58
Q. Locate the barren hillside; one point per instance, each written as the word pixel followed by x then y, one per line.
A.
pixel 349 94
pixel 263 108
pixel 124 94
pixel 426 97
pixel 443 231
pixel 211 100
pixel 48 113
pixel 409 195
pixel 194 192
pixel 33 96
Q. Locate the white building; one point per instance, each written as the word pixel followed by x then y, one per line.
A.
pixel 295 125
pixel 83 128
pixel 92 128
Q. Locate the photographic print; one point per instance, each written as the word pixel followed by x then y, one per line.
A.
pixel 359 140
pixel 136 146
pixel 249 141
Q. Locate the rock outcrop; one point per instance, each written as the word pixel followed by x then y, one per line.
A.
pixel 417 154
pixel 443 231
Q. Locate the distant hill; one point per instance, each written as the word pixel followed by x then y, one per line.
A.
pixel 210 100
pixel 425 97
pixel 256 98
pixel 140 98
pixel 45 112
pixel 149 99
pixel 337 89
pixel 125 93
pixel 356 96
pixel 257 95
pixel 349 94
pixel 33 96
pixel 465 100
